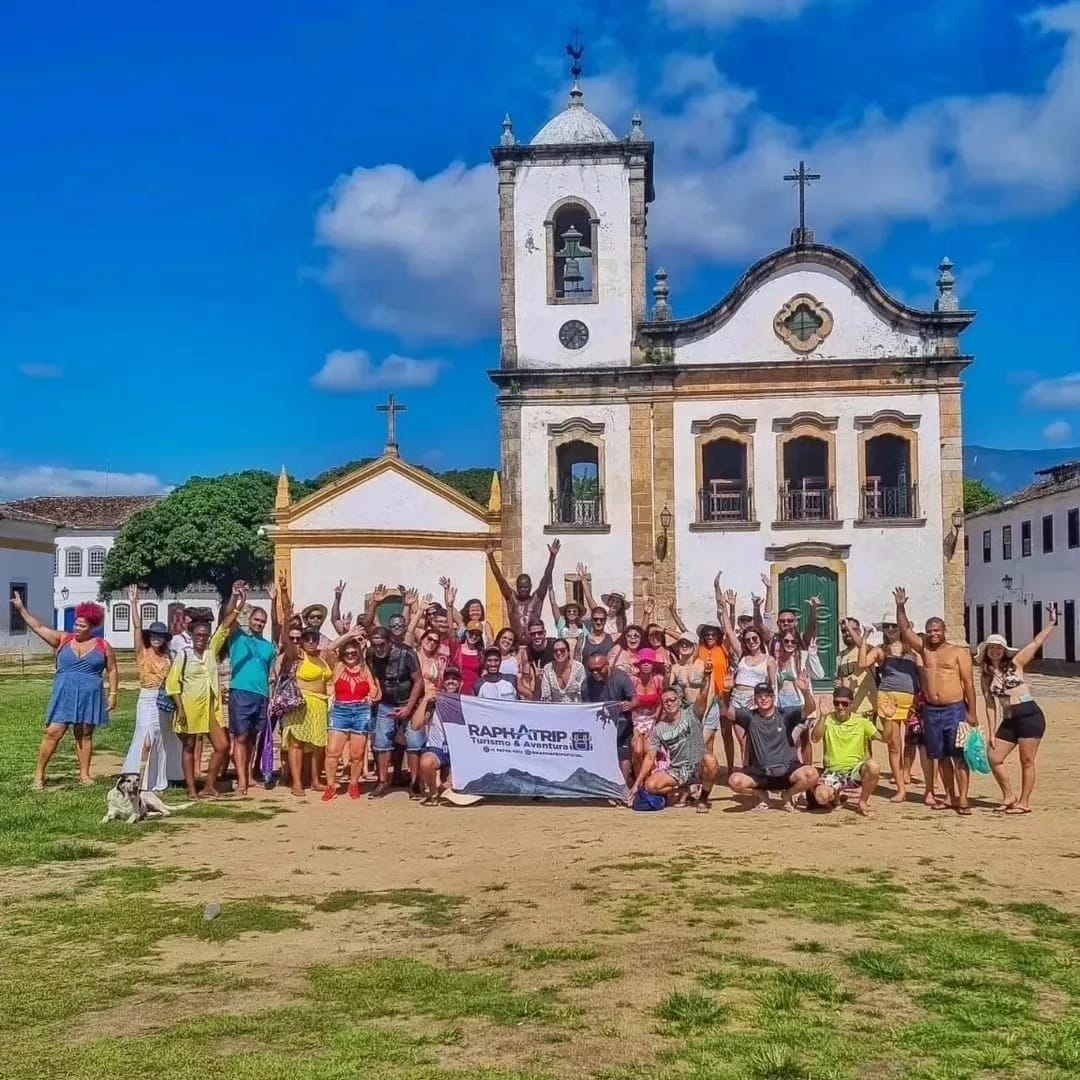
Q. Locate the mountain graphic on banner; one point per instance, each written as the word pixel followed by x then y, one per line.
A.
pixel 580 784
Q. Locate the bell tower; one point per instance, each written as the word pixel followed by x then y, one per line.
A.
pixel 572 228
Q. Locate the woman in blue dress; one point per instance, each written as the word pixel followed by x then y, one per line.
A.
pixel 78 699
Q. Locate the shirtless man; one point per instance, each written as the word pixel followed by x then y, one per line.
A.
pixel 523 606
pixel 948 689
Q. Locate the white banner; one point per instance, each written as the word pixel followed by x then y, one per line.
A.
pixel 527 748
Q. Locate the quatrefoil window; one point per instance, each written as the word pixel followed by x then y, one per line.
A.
pixel 803 323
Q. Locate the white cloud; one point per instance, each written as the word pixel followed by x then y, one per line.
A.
pixel 24 483
pixel 345 372
pixel 1060 431
pixel 727 12
pixel 41 371
pixel 1063 393
pixel 419 257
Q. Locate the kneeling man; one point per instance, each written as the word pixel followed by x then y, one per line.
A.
pixel 675 757
pixel 848 740
pixel 766 735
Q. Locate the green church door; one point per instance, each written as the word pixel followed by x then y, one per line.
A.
pixel 797 585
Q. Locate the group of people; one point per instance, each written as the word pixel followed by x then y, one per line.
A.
pixel 371 689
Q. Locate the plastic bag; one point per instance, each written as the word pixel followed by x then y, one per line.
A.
pixel 645 800
pixel 975 752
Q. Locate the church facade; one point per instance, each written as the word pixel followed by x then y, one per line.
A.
pixel 807 426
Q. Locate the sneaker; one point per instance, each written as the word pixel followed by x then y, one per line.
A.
pixel 354 791
pixel 330 794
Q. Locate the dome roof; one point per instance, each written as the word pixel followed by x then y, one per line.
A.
pixel 575 124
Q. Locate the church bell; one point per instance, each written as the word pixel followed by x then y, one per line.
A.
pixel 572 252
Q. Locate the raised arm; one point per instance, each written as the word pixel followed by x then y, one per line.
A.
pixel 586 587
pixel 336 620
pixel 47 634
pixel 411 635
pixel 907 631
pixel 705 700
pixel 1027 653
pixel 673 611
pixel 136 619
pixel 545 582
pixel 727 624
pixel 452 613
pixel 275 615
pixel 811 631
pixel 500 580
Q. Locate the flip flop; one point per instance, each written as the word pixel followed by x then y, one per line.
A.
pixel 1018 810
pixel 456 798
pixel 1005 807
pixel 963 811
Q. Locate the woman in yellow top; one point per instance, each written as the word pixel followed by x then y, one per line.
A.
pixel 193 685
pixel 303 731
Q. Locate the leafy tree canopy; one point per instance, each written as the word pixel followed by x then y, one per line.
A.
pixel 977 495
pixel 207 531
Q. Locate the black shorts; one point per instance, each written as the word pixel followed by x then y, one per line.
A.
pixel 1025 721
pixel 770 783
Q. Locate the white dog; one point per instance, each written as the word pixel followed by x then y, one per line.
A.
pixel 127 801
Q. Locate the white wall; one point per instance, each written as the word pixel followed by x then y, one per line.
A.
pixel 315 572
pixel 1039 577
pixel 606 188
pixel 748 336
pixel 880 558
pixel 35 570
pixel 390 500
pixel 608 555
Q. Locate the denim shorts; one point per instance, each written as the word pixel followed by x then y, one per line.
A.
pixel 352 718
pixel 247 713
pixel 712 717
pixel 441 753
pixel 387 728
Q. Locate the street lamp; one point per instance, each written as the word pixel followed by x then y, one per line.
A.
pixel 65 592
pixel 666 518
pixel 1007 583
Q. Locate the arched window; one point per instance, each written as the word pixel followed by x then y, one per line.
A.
pixel 807 468
pixel 725 460
pixel 576 475
pixel 121 618
pixel 95 561
pixel 888 467
pixel 73 562
pixel 148 613
pixel 571 245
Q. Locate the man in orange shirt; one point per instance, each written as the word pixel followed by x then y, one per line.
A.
pixel 712 651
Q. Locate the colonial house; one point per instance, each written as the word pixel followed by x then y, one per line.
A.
pixel 26 567
pixel 1023 555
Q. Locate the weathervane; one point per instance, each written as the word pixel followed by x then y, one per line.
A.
pixel 802 235
pixel 575 50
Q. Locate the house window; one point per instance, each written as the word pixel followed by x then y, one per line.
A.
pixel 967 622
pixel 16 622
pixel 1048 533
pixel 56 562
pixel 980 623
pixel 1025 539
pixel 73 562
pixel 1008 623
pixel 806 454
pixel 572 239
pixel 95 561
pixel 576 475
pixel 148 612
pixel 1072 520
pixel 121 618
pixel 724 446
pixel 986 545
pixel 1006 541
pixel 994 618
pixel 967 550
pixel 888 487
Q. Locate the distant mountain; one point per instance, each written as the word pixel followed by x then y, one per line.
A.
pixel 1007 471
pixel 580 784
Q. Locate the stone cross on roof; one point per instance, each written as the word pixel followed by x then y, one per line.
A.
pixel 391 408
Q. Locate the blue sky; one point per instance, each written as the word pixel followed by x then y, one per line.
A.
pixel 201 206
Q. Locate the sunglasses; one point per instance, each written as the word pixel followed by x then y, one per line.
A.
pixel 890 626
pixel 560 652
pixel 294 637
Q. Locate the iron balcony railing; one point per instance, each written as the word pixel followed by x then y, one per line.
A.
pixel 719 504
pixel 890 502
pixel 582 510
pixel 806 504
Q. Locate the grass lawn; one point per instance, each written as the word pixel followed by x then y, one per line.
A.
pixel 676 966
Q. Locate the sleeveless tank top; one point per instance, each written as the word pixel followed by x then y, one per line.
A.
pixel 749 673
pixel 351 687
pixel 899 674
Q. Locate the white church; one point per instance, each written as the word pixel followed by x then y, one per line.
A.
pixel 807 426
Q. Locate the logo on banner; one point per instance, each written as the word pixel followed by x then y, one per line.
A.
pixel 581 740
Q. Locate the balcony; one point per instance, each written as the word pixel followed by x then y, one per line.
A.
pixel 581 510
pixel 724 504
pixel 807 503
pixel 890 503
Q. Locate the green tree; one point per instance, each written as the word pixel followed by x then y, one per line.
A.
pixel 978 494
pixel 206 531
pixel 474 484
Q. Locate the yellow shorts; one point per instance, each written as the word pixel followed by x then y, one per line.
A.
pixel 895 706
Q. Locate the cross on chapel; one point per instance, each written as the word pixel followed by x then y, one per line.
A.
pixel 391 408
pixel 802 235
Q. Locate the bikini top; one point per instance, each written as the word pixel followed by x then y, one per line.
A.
pixel 1004 683
pixel 351 686
pixel 313 669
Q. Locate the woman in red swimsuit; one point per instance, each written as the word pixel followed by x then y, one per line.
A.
pixel 356 693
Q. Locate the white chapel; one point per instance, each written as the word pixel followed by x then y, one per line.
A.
pixel 807 426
